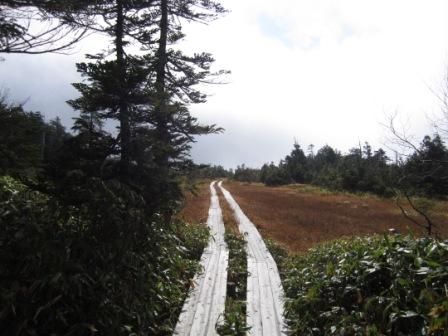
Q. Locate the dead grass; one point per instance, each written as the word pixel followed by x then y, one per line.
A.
pixel 195 209
pixel 300 217
pixel 227 214
pixel 196 205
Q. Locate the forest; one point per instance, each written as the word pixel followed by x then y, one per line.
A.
pixel 423 172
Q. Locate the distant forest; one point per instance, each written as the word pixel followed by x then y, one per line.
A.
pixel 362 169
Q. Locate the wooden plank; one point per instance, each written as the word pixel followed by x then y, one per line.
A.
pixel 204 307
pixel 265 296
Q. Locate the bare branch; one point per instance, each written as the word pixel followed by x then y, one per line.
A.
pixel 428 226
pixel 429 223
pixel 405 213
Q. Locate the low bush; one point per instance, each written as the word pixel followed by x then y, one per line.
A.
pixel 235 310
pixel 391 285
pixel 106 270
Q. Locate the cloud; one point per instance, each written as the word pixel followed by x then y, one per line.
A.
pixel 42 82
pixel 373 58
pixel 272 27
pixel 320 71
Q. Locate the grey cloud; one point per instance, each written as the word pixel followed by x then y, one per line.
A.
pixel 43 82
pixel 253 145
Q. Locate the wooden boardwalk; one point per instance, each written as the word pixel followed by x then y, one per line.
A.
pixel 264 288
pixel 204 307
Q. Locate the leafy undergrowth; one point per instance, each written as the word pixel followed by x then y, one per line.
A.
pixel 235 309
pixel 279 253
pixel 101 269
pixel 391 285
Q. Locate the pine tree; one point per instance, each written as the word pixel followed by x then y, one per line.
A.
pixel 148 95
pixel 295 164
pixel 176 77
pixel 426 171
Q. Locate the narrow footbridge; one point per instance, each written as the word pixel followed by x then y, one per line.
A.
pixel 204 308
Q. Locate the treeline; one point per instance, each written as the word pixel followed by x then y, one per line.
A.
pixel 89 241
pixel 362 169
pixel 27 141
pixel 209 172
pixel 241 173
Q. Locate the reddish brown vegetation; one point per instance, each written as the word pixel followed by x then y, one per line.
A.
pixel 196 204
pixel 299 218
pixel 227 214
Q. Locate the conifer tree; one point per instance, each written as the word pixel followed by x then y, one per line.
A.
pixel 148 95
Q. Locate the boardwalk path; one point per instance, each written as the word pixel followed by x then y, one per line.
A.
pixel 205 304
pixel 264 288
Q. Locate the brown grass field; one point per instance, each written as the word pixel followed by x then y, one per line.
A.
pixel 301 216
pixel 227 214
pixel 195 209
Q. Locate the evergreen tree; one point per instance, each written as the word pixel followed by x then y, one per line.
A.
pixel 295 164
pixel 367 151
pixel 246 174
pixel 148 95
pixel 426 171
pixel 92 238
pixel 54 138
pixel 21 139
pixel 271 175
pixel 175 80
pixel 27 142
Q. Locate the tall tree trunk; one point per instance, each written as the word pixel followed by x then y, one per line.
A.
pixel 125 130
pixel 162 155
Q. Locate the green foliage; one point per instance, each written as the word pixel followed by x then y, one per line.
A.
pixel 27 142
pixel 91 247
pixel 209 172
pixel 426 171
pixel 390 285
pixel 295 164
pixel 234 319
pixel 194 237
pixel 147 95
pixel 271 175
pixel 245 174
pixel 106 269
pixel 235 310
pixel 361 170
pixel 278 253
pixel 20 138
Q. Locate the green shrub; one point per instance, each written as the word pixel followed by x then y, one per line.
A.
pixel 235 309
pixel 390 285
pixel 105 270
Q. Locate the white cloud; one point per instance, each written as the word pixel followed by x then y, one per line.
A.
pixel 320 71
pixel 331 73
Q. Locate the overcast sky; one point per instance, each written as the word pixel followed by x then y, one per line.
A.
pixel 316 71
